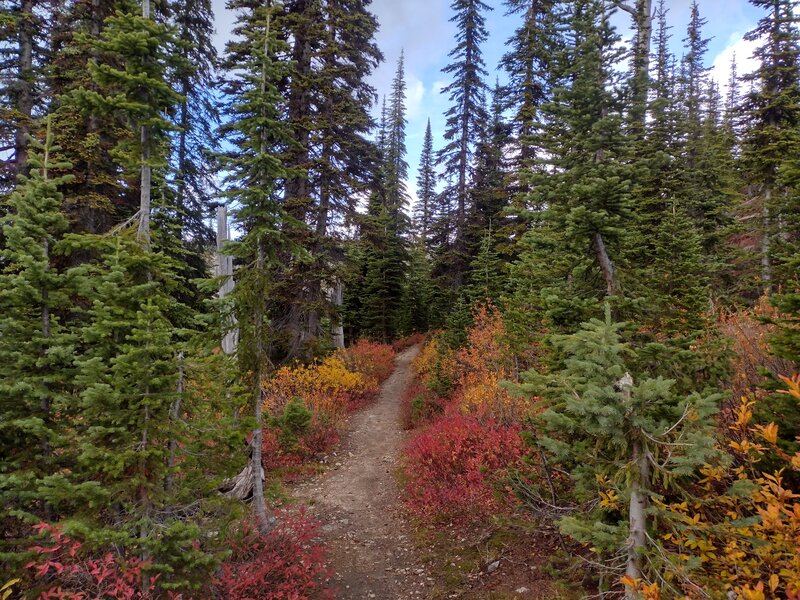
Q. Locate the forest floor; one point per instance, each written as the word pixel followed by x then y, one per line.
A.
pixel 375 553
pixel 371 546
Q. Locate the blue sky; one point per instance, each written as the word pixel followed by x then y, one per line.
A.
pixel 422 29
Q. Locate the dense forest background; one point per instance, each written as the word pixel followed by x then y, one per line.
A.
pixel 623 220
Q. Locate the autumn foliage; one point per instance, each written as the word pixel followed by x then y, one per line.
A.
pixel 286 563
pixel 307 404
pixel 77 575
pixel 456 466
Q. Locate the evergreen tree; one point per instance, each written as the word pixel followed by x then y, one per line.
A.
pixel 490 198
pixel 569 258
pixel 426 191
pixel 97 196
pixel 771 129
pixel 396 167
pixel 464 121
pixel 529 64
pixel 130 74
pixel 621 439
pixel 196 119
pixel 254 126
pixel 35 348
pixel 384 273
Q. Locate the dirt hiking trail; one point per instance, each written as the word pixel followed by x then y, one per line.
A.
pixel 370 545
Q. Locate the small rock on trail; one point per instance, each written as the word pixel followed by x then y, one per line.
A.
pixel 370 545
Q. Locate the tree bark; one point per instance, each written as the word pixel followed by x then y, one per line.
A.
pixel 637 510
pixel 642 15
pixel 606 266
pixel 24 86
pixel 258 481
pixel 143 233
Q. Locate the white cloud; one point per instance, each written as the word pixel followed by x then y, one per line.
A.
pixel 743 50
pixel 415 94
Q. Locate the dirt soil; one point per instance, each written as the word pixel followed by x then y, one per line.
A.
pixel 358 501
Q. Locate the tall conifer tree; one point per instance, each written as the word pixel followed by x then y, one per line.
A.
pixel 464 122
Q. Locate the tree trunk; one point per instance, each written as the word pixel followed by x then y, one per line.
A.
pixel 24 86
pixel 258 480
pixel 642 15
pixel 640 484
pixel 606 266
pixel 338 326
pixel 143 233
pixel 230 334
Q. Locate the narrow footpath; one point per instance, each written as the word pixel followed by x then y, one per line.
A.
pixel 358 501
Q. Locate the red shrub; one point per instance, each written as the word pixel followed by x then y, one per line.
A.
pixel 60 561
pixel 408 341
pixel 288 563
pixel 454 467
pixel 373 360
pixel 420 405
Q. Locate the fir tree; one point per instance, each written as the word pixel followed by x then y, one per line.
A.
pixel 529 63
pixel 35 346
pixel 134 53
pixel 571 255
pixel 196 119
pixel 396 167
pixel 772 117
pixel 464 120
pixel 256 130
pixel 620 438
pixel 96 197
pixel 426 190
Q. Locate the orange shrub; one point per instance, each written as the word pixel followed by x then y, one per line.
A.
pixel 487 350
pixel 749 338
pixel 408 341
pixel 482 394
pixel 374 361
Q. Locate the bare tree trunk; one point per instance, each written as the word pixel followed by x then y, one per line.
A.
pixel 24 86
pixel 338 326
pixel 606 266
pixel 258 480
pixel 230 336
pixel 637 510
pixel 766 244
pixel 642 15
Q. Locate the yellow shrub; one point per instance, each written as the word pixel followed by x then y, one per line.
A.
pixel 481 393
pixel 747 543
pixel 328 387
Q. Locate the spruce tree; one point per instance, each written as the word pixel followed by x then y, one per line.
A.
pixel 529 64
pixel 97 197
pixel 196 118
pixel 129 70
pixel 254 126
pixel 571 256
pixel 396 167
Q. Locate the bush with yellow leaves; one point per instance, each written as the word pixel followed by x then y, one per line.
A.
pixel 739 536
